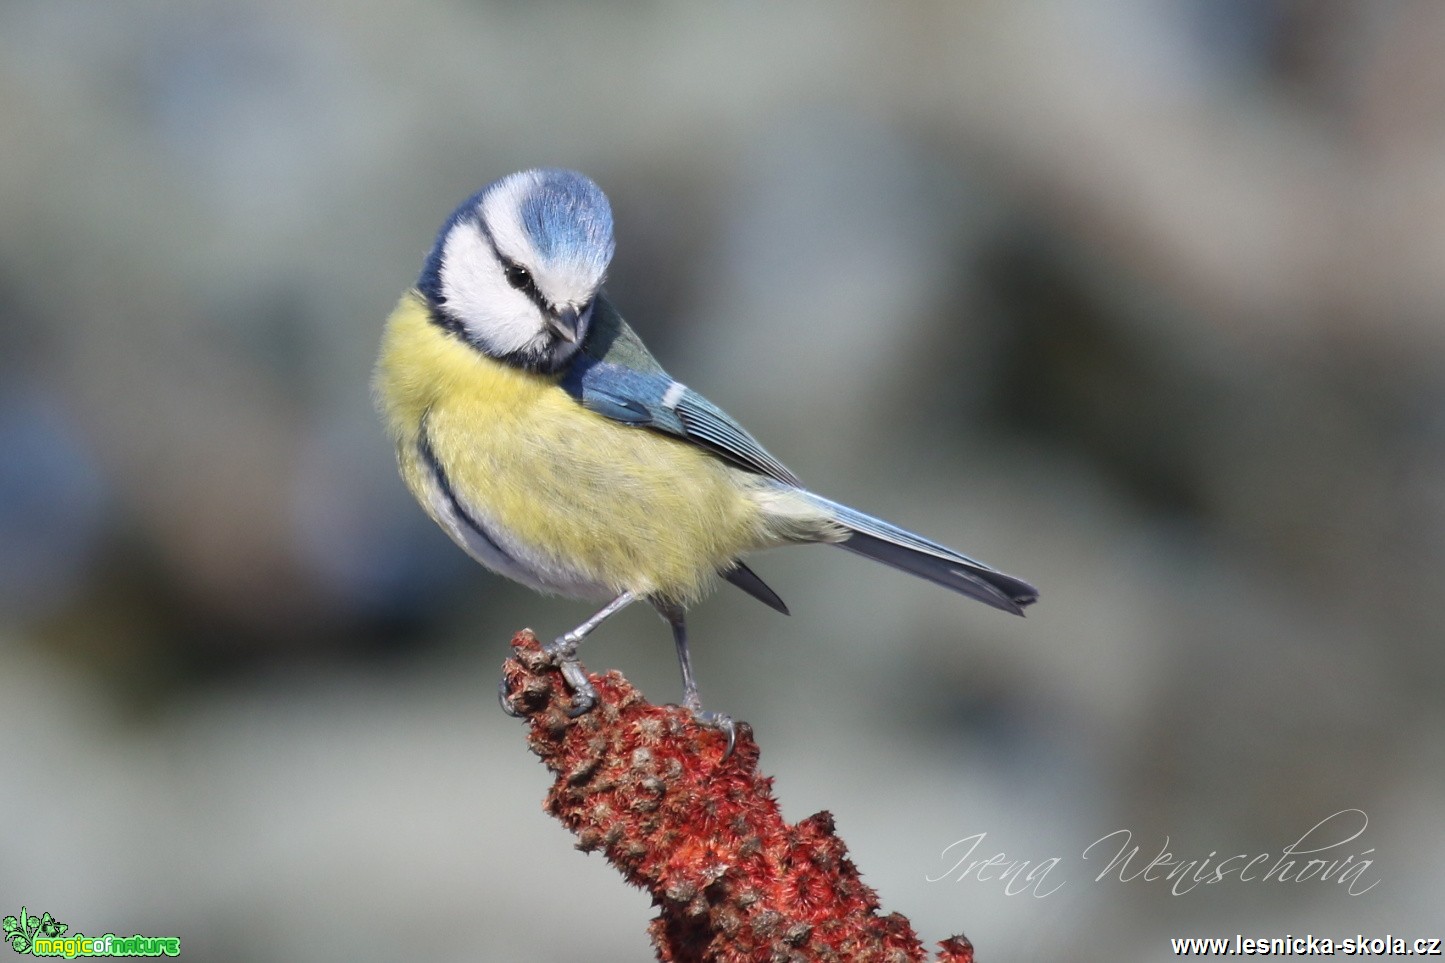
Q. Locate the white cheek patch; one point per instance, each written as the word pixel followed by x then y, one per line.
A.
pixel 477 294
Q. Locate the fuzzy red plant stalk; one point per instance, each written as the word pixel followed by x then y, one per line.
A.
pixel 733 883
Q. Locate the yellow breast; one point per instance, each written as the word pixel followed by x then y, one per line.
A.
pixel 569 490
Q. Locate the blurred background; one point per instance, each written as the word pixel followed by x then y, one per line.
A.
pixel 1142 300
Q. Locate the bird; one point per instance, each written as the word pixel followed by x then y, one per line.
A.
pixel 535 427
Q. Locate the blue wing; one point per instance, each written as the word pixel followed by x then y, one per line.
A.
pixel 618 378
pixel 652 399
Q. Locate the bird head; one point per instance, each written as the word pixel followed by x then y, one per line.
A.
pixel 516 269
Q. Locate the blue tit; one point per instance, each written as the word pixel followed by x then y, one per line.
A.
pixel 538 431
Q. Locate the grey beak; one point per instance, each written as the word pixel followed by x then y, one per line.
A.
pixel 564 322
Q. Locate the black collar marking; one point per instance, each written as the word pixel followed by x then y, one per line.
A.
pixel 429 458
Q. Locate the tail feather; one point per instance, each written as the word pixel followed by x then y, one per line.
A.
pixel 748 580
pixel 879 540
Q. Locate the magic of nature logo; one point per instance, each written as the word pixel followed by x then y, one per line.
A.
pixel 44 935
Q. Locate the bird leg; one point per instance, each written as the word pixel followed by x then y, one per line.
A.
pixel 673 614
pixel 563 651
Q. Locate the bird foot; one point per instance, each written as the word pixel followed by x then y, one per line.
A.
pixel 584 694
pixel 721 722
pixel 563 653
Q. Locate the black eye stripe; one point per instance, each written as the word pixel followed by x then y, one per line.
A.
pixel 511 269
pixel 521 279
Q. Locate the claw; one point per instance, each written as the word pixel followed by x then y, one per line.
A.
pixel 507 706
pixel 721 722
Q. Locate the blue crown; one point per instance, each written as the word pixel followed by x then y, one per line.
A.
pixel 569 219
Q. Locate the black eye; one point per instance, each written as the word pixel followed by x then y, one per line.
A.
pixel 518 277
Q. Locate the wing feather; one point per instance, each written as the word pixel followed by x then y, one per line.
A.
pixel 652 399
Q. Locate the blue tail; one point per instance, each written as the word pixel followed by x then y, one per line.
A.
pixel 876 539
